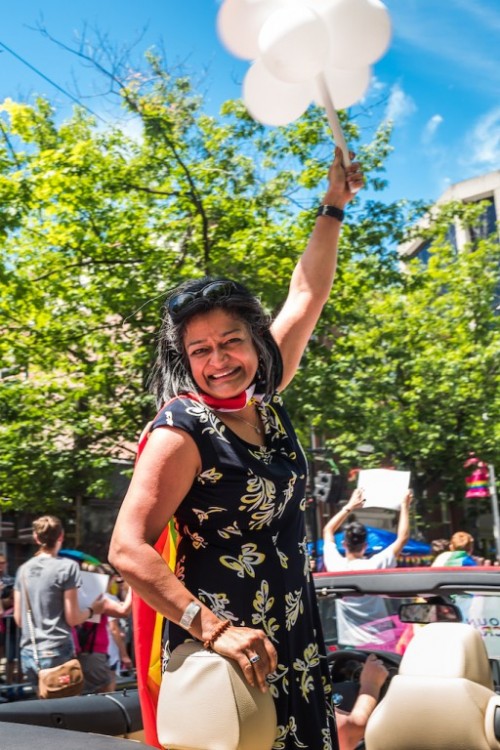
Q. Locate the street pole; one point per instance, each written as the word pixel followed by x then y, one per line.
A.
pixel 494 508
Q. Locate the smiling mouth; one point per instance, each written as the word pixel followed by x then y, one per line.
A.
pixel 222 375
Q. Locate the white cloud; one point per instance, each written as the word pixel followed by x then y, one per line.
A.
pixel 400 106
pixel 430 129
pixel 463 39
pixel 489 17
pixel 485 140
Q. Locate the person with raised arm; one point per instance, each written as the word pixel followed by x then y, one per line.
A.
pixel 222 460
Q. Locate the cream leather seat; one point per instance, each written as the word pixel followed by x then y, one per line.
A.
pixel 442 697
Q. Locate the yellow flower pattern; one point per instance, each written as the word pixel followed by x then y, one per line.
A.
pixel 242 551
pixel 210 475
pixel 263 604
pixel 294 607
pixel 260 501
pixel 245 562
pixel 203 515
pixel 304 666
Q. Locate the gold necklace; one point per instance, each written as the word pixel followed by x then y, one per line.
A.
pixel 258 430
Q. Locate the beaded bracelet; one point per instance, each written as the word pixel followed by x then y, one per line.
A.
pixel 216 632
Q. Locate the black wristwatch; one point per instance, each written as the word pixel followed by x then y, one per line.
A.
pixel 333 211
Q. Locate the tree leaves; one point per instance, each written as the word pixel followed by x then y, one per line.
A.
pixel 97 224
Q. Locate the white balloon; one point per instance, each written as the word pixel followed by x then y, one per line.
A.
pixel 294 43
pixel 239 23
pixel 345 87
pixel 271 101
pixel 360 31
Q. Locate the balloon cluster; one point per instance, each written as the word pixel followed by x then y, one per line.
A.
pixel 304 51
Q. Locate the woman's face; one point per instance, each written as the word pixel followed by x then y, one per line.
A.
pixel 221 353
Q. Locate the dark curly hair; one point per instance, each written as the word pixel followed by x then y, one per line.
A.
pixel 171 374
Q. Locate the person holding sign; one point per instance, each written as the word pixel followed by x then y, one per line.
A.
pixel 355 536
pixel 362 620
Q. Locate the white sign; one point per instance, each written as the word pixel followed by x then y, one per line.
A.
pixel 93 585
pixel 384 488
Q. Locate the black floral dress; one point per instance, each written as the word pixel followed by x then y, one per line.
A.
pixel 242 551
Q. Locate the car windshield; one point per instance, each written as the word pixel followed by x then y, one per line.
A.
pixel 372 622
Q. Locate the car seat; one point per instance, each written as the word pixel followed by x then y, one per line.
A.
pixel 442 697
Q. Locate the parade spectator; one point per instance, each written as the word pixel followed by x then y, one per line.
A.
pixel 93 645
pixel 118 653
pixel 355 538
pixel 438 546
pixel 8 628
pixel 363 620
pixel 51 584
pixel 459 552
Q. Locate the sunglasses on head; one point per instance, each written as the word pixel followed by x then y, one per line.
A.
pixel 213 291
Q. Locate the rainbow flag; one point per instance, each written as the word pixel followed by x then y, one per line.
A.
pixel 148 629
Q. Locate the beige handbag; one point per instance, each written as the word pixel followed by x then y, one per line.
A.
pixel 205 703
pixel 62 681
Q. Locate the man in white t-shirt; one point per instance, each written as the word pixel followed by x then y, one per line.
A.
pixel 362 620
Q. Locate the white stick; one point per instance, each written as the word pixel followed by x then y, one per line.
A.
pixel 333 119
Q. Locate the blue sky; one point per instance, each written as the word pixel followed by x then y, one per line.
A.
pixel 439 81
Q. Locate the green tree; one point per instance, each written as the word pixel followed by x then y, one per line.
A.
pixel 96 226
pixel 414 366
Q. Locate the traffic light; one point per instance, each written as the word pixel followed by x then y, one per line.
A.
pixel 327 487
pixel 322 486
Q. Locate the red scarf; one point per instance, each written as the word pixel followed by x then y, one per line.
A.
pixel 235 403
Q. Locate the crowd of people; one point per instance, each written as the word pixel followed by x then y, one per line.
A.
pixel 47 584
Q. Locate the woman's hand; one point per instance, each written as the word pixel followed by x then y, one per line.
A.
pixel 98 605
pixel 344 182
pixel 244 645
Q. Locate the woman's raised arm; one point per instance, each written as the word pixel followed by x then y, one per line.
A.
pixel 313 275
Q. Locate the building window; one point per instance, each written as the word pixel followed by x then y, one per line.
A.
pixel 486 224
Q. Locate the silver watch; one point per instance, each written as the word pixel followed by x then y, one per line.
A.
pixel 189 614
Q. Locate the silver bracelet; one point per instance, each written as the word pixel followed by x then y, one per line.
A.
pixel 189 614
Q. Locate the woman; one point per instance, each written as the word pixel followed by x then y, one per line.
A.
pixel 226 464
pixel 93 644
pixel 51 583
